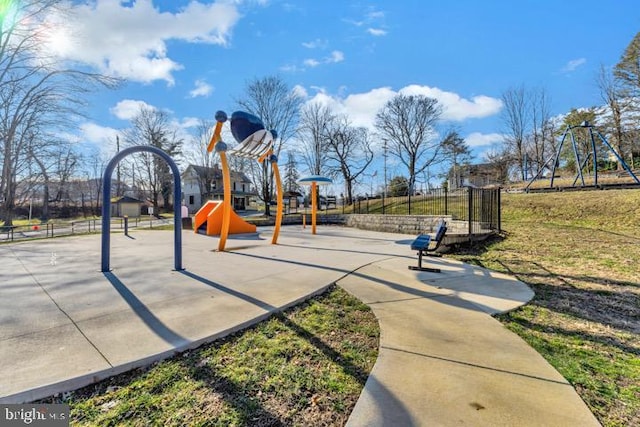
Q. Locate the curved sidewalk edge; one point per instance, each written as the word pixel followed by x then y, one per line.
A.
pixel 444 360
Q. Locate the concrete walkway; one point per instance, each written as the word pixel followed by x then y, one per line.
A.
pixel 443 360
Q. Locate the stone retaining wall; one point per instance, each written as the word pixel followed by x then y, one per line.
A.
pixel 403 224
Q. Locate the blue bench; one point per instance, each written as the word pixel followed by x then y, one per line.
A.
pixel 423 244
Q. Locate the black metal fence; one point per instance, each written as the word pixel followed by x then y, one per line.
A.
pixel 480 207
pixel 56 229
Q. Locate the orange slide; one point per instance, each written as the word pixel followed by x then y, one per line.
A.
pixel 211 213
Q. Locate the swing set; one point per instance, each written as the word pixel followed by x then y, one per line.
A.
pixel 582 156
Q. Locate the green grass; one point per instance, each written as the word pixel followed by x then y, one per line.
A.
pixel 579 252
pixel 303 367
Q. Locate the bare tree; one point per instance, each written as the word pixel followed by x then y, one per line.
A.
pixel 94 170
pixel 278 107
pixel 152 127
pixel 198 155
pixel 516 119
pixel 542 134
pixel 35 91
pixel 500 159
pixel 348 153
pixel 315 121
pixel 408 123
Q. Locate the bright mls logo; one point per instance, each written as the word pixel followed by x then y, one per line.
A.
pixel 49 415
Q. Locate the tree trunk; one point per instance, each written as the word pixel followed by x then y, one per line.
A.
pixel 45 201
pixel 9 204
pixel 349 185
pixel 156 208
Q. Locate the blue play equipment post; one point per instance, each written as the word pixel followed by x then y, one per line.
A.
pixel 106 204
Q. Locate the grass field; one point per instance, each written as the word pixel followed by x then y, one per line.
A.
pixel 304 367
pixel 579 252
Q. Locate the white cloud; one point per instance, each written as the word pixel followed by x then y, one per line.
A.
pixel 316 44
pixel 202 89
pixel 375 14
pixel 336 56
pixel 363 107
pixel 99 135
pixel 573 65
pixel 477 139
pixel 290 68
pixel 311 62
pixel 376 32
pixel 129 108
pixel 129 39
pixel 189 122
pixel 300 91
pixel 455 107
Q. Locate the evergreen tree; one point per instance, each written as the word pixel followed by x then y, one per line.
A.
pixel 291 175
pixel 628 69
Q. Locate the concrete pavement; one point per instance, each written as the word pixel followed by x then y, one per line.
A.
pixel 443 359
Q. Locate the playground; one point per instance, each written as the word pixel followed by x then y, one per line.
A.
pixel 71 320
pixel 68 324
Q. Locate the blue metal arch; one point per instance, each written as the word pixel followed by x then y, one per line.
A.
pixel 106 203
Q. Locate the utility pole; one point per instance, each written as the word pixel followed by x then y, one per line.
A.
pixel 385 167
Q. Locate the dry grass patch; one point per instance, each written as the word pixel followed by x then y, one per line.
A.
pixel 578 251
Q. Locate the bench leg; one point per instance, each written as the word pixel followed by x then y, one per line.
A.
pixel 419 267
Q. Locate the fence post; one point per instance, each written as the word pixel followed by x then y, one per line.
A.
pixel 499 207
pixel 446 201
pixel 470 197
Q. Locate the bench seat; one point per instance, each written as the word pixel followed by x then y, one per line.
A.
pixel 422 244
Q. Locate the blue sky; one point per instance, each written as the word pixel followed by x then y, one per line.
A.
pixel 193 58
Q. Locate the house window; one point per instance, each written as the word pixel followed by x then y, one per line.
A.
pixel 191 201
pixel 243 190
pixel 234 186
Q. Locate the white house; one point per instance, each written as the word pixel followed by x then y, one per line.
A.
pixel 201 183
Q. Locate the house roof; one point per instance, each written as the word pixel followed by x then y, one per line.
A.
pixel 126 199
pixel 216 173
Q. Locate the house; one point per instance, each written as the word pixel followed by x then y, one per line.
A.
pixel 126 206
pixel 480 175
pixel 201 183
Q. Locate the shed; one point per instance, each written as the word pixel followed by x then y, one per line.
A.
pixel 293 200
pixel 126 206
